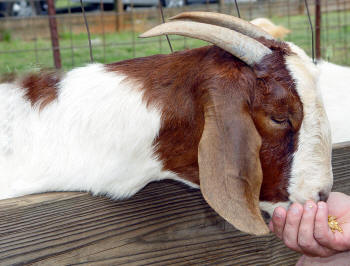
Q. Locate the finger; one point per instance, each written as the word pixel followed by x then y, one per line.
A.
pixel 322 233
pixel 306 240
pixel 291 228
pixel 278 221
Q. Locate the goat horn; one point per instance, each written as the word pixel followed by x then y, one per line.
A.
pixel 225 21
pixel 245 48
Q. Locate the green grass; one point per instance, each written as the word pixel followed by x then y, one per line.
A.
pixel 66 3
pixel 17 55
pixel 112 48
pixel 335 34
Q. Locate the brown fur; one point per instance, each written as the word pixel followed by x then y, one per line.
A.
pixel 276 95
pixel 179 83
pixel 41 88
pixel 167 83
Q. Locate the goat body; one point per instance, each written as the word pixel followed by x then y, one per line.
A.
pixel 245 128
pixel 110 124
pixel 137 118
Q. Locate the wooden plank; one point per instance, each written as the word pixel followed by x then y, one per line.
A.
pixel 166 223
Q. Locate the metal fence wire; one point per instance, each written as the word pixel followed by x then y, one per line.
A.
pixel 52 33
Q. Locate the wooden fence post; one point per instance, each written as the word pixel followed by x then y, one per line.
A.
pixel 54 34
pixel 221 5
pixel 318 28
pixel 118 5
pixel 301 7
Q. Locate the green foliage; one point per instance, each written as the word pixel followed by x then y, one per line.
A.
pixel 5 35
pixel 66 3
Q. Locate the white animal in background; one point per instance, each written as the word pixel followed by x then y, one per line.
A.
pixel 267 25
pixel 242 119
pixel 334 82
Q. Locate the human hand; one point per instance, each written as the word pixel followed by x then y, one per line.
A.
pixel 305 229
pixel 339 259
pixel 339 206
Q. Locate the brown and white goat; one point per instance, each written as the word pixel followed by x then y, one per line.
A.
pixel 241 119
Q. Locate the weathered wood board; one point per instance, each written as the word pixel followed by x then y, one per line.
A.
pixel 166 223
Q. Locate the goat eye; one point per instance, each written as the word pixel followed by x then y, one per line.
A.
pixel 279 120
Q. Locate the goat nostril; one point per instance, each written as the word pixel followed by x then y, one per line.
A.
pixel 323 196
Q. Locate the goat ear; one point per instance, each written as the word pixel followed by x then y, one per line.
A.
pixel 229 165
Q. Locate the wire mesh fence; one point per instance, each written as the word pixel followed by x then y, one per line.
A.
pixel 26 28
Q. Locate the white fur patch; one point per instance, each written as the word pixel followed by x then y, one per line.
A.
pixel 6 124
pixel 97 136
pixel 311 168
pixel 334 82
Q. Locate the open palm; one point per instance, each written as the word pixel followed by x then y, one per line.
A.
pixel 338 206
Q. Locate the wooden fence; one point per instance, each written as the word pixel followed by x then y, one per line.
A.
pixel 166 223
pixel 139 20
pixel 24 41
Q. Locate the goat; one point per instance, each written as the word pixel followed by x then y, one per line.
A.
pixel 242 119
pixel 268 26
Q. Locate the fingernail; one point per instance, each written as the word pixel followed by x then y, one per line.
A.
pixel 309 205
pixel 321 205
pixel 294 209
pixel 278 214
